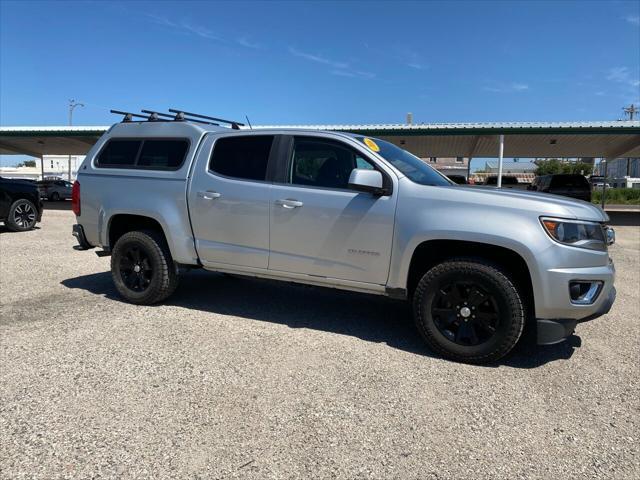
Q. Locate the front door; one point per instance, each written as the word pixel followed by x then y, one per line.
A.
pixel 229 201
pixel 319 226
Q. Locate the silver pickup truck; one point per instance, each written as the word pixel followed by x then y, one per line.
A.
pixel 343 211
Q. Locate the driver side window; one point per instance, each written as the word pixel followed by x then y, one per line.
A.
pixel 323 163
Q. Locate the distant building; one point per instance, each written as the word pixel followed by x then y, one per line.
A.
pixel 510 167
pixel 523 171
pixel 54 166
pixel 449 165
pixel 620 168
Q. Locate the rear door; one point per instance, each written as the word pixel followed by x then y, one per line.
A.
pixel 575 186
pixel 229 200
pixel 66 189
pixel 5 199
pixel 320 227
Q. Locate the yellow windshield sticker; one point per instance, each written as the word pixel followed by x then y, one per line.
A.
pixel 371 144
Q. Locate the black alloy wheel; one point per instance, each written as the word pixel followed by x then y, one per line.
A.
pixel 142 268
pixel 469 310
pixel 135 268
pixel 465 313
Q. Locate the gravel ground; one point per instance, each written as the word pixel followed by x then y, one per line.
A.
pixel 246 378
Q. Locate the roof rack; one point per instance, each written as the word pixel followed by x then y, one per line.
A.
pixel 178 116
pixel 128 116
pixel 233 123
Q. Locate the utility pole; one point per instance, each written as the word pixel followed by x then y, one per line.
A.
pixel 630 111
pixel 72 105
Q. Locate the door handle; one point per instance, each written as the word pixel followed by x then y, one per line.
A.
pixel 289 203
pixel 209 195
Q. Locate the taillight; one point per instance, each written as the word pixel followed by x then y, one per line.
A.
pixel 75 198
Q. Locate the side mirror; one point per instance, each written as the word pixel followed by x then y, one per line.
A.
pixel 369 181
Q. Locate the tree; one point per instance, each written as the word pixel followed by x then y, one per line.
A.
pixel 27 163
pixel 555 166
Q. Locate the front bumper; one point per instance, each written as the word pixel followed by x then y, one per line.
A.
pixel 557 330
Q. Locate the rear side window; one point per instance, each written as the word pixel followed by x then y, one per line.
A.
pixel 160 154
pixel 242 157
pixel 163 153
pixel 119 153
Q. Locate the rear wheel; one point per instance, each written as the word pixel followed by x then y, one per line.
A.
pixel 22 216
pixel 142 268
pixel 469 311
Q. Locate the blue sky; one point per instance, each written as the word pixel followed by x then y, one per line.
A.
pixel 322 62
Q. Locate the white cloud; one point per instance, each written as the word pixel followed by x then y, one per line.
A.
pixel 200 31
pixel 353 73
pixel 342 73
pixel 318 59
pixel 342 69
pixel 633 19
pixel 623 75
pixel 416 65
pixel 245 42
pixel 507 88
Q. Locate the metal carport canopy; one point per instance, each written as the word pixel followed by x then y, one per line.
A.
pixel 523 140
pixel 38 141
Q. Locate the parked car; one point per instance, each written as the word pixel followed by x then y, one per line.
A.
pixel 55 190
pixel 20 204
pixel 507 182
pixel 344 211
pixel 567 185
pixel 459 179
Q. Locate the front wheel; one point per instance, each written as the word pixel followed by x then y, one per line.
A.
pixel 468 311
pixel 142 268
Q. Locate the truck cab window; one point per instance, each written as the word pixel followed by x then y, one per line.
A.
pixel 244 157
pixel 322 163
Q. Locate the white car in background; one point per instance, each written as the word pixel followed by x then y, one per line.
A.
pixel 55 190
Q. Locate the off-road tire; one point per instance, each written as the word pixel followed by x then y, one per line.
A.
pixel 12 224
pixel 164 278
pixel 511 312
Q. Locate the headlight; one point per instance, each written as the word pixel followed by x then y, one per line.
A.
pixel 575 233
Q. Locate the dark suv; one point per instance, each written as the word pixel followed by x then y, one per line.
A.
pixel 20 205
pixel 567 185
pixel 507 182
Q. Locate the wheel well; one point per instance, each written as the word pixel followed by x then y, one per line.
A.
pixel 433 252
pixel 123 223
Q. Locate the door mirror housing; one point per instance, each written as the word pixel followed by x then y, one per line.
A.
pixel 369 181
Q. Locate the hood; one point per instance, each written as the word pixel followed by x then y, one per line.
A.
pixel 547 203
pixel 534 202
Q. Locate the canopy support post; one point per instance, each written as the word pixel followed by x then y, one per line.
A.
pixel 42 167
pixel 604 182
pixel 501 154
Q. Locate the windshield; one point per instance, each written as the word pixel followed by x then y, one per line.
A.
pixel 415 169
